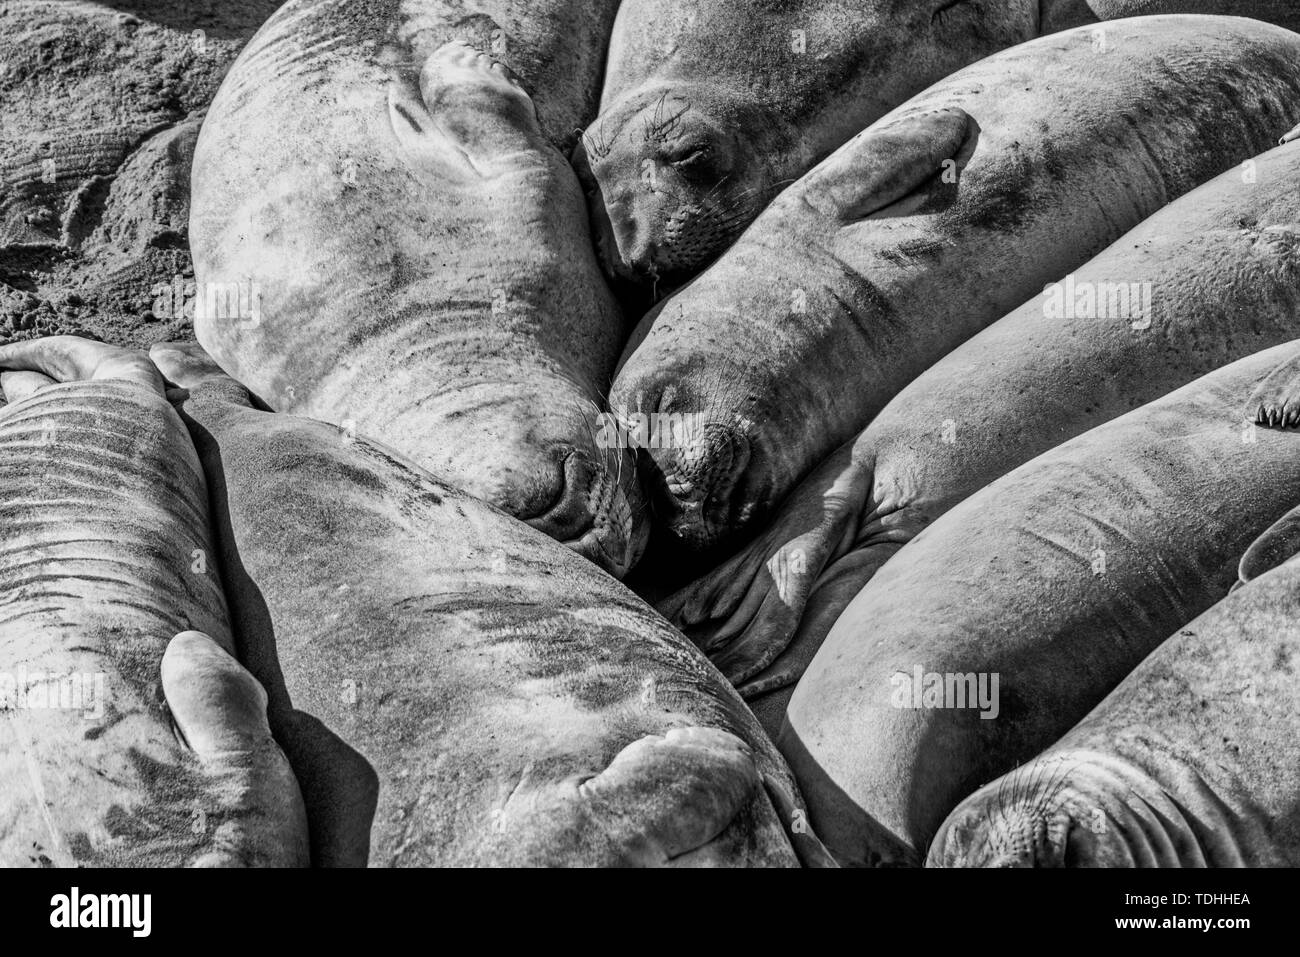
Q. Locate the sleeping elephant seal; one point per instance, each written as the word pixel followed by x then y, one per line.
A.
pixel 1006 621
pixel 385 238
pixel 929 226
pixel 106 588
pixel 452 687
pixel 1211 278
pixel 1191 762
pixel 710 108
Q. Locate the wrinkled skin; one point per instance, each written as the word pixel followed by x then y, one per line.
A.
pixel 1059 578
pixel 412 250
pixel 1224 271
pixel 710 108
pixel 872 267
pixel 1191 762
pixel 451 687
pixel 132 736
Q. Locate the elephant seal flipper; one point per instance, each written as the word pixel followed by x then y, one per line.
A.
pixel 1275 402
pixel 64 358
pixel 1279 543
pixel 17 386
pixel 903 155
pixel 219 710
pixel 692 783
pixel 471 114
pixel 834 590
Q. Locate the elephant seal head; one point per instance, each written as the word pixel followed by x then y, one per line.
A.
pixel 672 178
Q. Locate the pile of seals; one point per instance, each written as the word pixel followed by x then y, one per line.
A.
pixel 933 371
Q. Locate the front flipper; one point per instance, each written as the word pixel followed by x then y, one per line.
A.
pixel 692 796
pixel 1276 400
pixel 469 117
pixel 1279 544
pixel 188 366
pixel 256 808
pixel 834 590
pixel 768 692
pixel 72 358
pixel 744 612
pixel 887 161
pixel 17 386
pixel 674 794
pixel 1289 137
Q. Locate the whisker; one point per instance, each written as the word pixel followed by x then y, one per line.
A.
pixel 661 127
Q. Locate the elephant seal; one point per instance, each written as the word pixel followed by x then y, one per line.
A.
pixel 104 591
pixel 385 238
pixel 927 227
pixel 1190 762
pixel 710 108
pixel 452 687
pixel 1211 278
pixel 1007 620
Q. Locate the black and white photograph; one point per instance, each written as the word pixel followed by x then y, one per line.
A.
pixel 524 434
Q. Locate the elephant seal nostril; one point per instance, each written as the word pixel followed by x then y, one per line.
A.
pixel 594 506
pixel 697 481
pixel 707 465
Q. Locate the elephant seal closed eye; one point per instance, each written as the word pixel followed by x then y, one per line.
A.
pixel 1210 278
pixel 1190 762
pixel 452 687
pixel 385 238
pixel 1011 617
pixel 932 224
pixel 109 598
pixel 710 107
